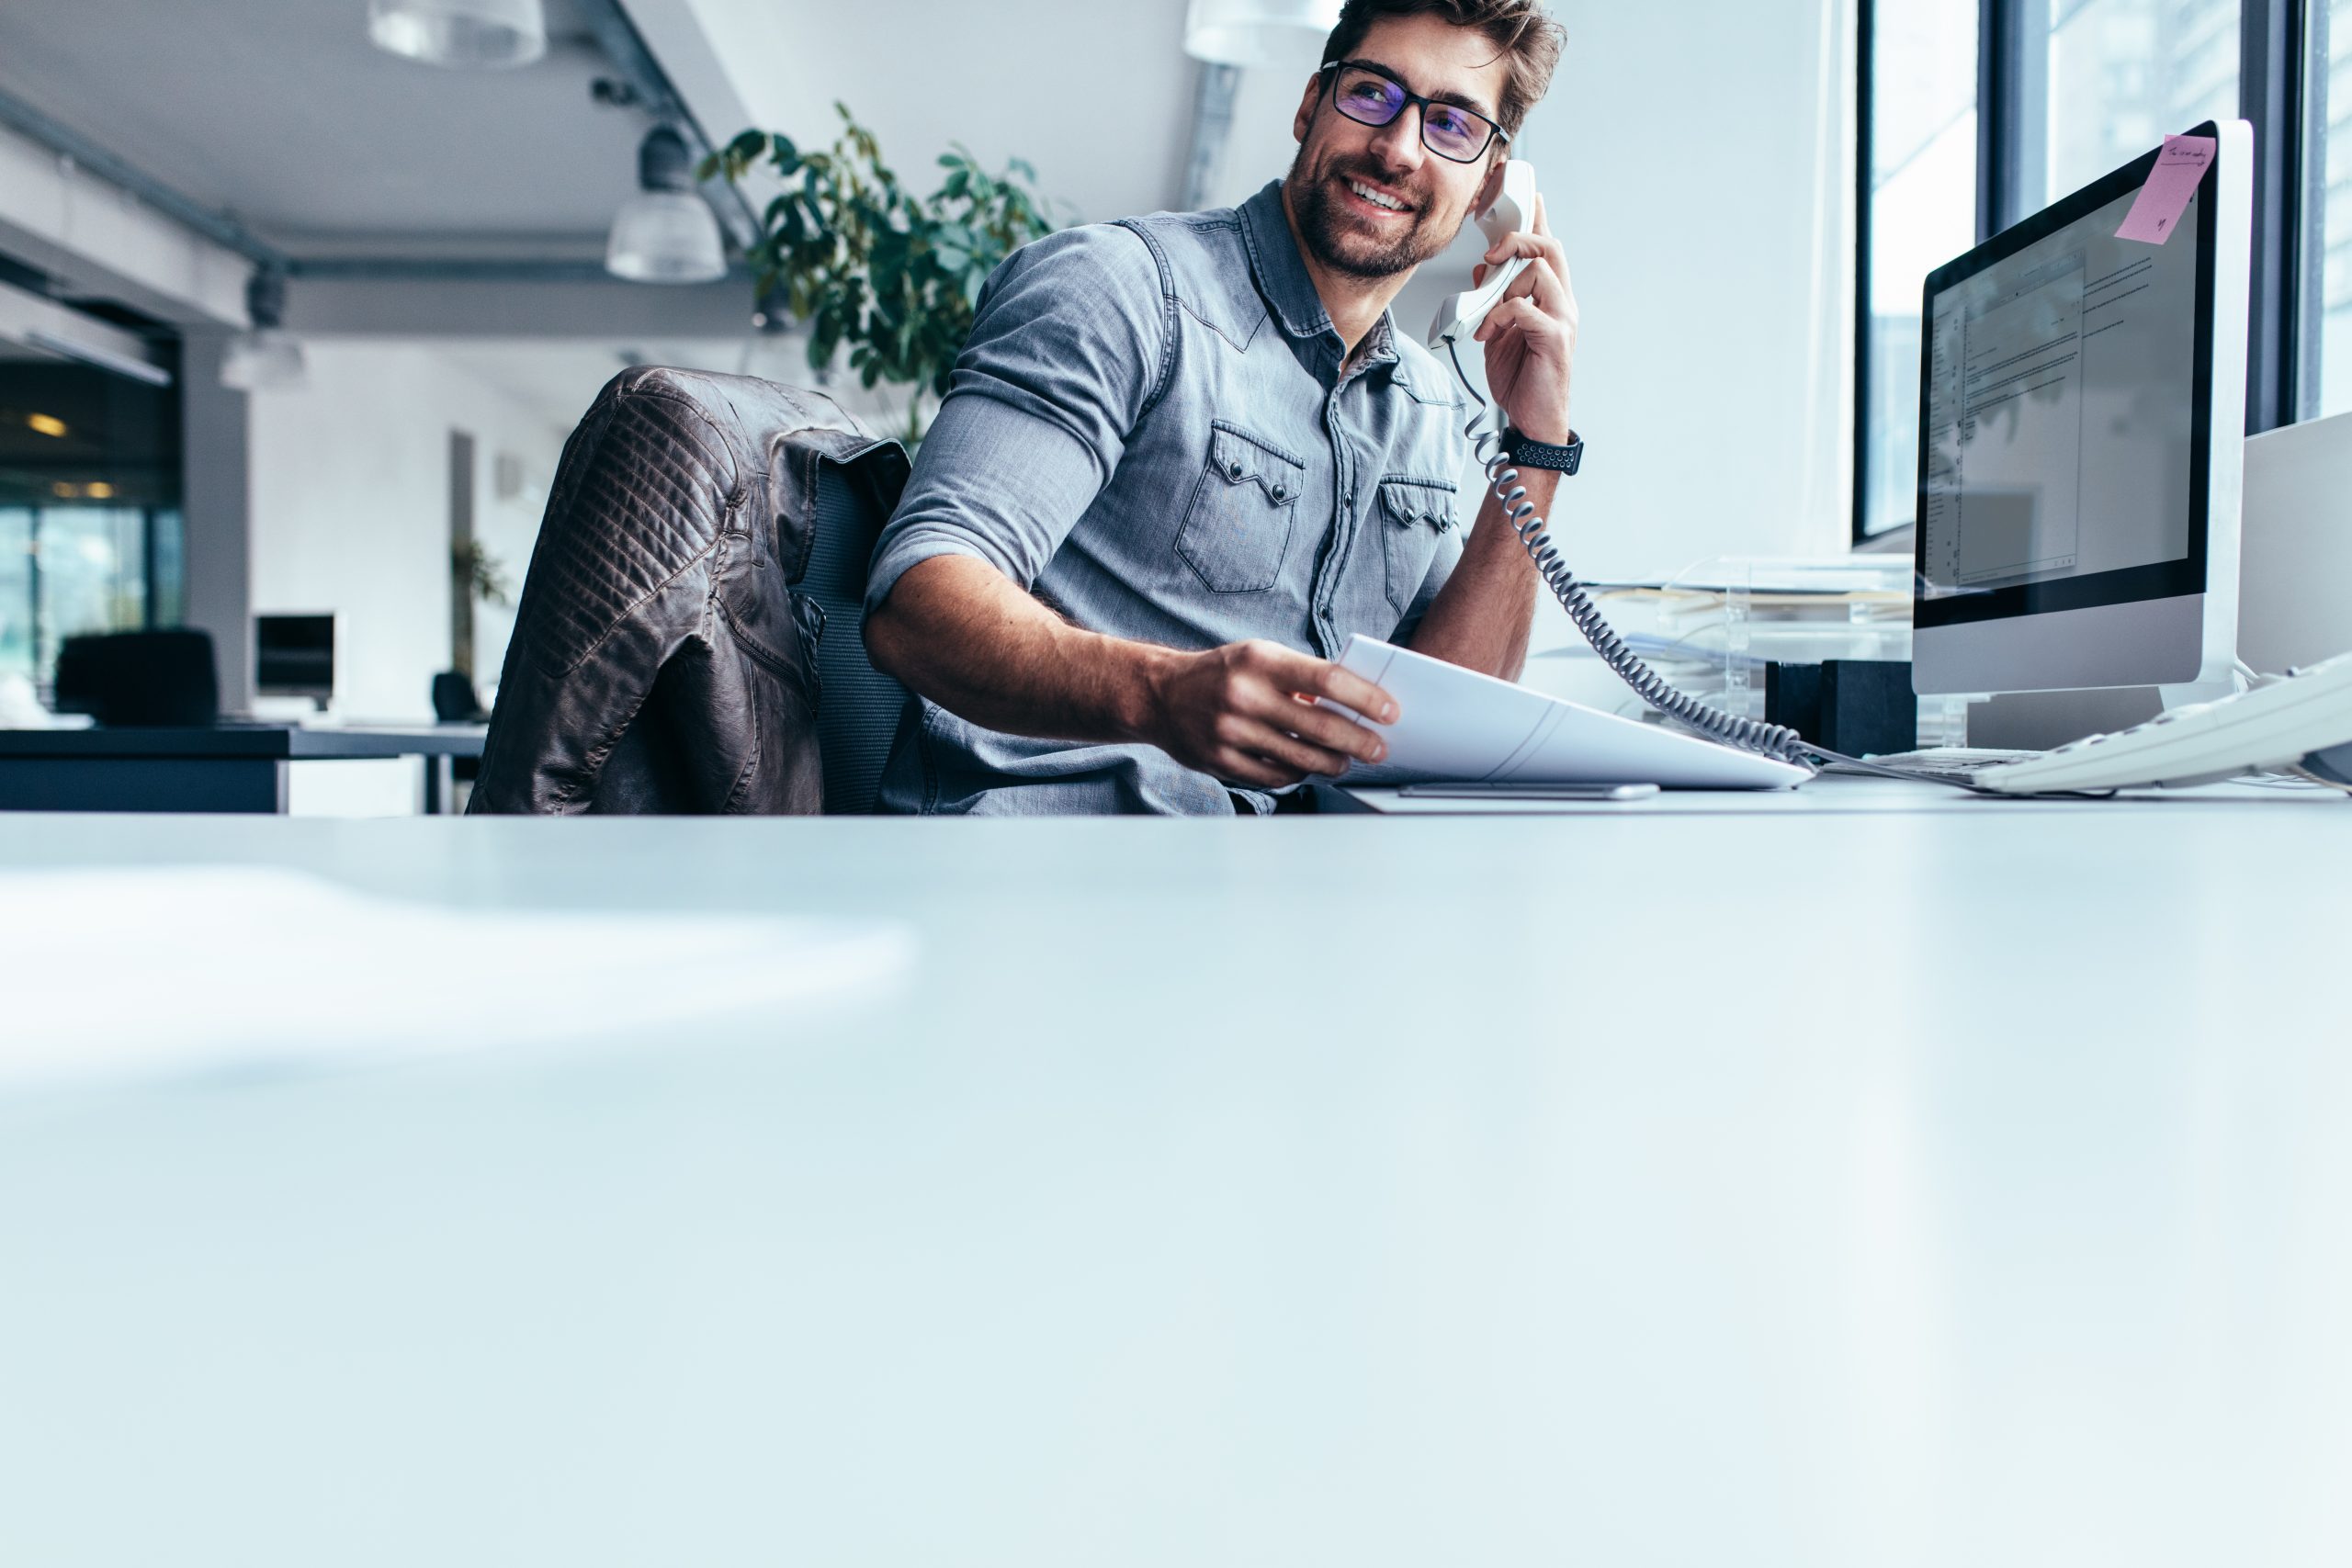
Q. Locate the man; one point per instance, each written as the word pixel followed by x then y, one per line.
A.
pixel 1180 451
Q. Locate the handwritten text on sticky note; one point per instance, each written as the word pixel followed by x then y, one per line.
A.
pixel 2181 163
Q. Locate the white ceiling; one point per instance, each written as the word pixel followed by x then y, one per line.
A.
pixel 281 113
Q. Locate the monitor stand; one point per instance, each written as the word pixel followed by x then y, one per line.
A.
pixel 2043 721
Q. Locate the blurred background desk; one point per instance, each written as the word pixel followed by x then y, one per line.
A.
pixel 1868 1175
pixel 222 768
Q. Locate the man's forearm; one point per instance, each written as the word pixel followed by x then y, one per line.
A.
pixel 1480 619
pixel 958 631
pixel 961 633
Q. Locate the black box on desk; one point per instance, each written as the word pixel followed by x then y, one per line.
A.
pixel 1853 705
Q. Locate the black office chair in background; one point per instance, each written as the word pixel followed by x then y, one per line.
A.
pixel 689 637
pixel 150 679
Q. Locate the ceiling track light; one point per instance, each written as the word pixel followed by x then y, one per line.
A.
pixel 269 358
pixel 472 35
pixel 666 233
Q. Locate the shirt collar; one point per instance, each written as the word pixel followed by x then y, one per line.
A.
pixel 1274 262
pixel 1282 277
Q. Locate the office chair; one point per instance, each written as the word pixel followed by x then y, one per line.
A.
pixel 145 679
pixel 689 637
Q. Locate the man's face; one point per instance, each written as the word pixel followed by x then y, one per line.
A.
pixel 1339 160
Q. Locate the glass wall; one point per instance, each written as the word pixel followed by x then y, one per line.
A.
pixel 90 532
pixel 2327 214
pixel 2099 83
pixel 1923 213
pixel 2123 74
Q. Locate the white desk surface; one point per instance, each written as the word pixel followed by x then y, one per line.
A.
pixel 1815 1181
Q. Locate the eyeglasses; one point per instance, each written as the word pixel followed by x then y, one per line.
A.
pixel 1370 96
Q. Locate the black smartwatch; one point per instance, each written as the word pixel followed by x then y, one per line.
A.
pixel 1529 453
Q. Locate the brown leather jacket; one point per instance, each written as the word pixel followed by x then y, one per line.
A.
pixel 665 657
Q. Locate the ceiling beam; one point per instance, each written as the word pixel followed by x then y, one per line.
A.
pixel 68 142
pixel 92 238
pixel 591 304
pixel 460 269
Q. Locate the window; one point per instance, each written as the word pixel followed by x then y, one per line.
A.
pixel 2327 215
pixel 90 532
pixel 1974 114
pixel 1921 212
pixel 2123 74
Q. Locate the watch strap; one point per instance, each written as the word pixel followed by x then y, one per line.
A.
pixel 1532 453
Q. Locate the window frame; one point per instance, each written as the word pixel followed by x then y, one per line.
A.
pixel 2273 62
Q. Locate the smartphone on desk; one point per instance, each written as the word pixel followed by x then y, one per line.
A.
pixel 1527 791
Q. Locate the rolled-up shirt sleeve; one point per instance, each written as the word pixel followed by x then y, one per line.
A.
pixel 1069 348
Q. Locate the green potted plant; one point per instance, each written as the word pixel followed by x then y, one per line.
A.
pixel 868 266
pixel 474 574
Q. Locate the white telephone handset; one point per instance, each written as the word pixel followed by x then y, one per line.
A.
pixel 1514 212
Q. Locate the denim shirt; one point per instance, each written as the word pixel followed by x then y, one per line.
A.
pixel 1151 430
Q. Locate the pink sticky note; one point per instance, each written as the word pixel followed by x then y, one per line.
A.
pixel 2179 165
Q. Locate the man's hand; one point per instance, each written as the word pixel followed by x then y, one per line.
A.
pixel 1530 337
pixel 958 631
pixel 1481 617
pixel 1246 713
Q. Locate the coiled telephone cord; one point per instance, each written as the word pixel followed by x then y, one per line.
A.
pixel 1777 742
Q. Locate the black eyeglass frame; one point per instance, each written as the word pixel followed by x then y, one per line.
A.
pixel 1412 100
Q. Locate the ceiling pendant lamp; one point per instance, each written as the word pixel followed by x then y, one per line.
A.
pixel 665 233
pixel 467 34
pixel 1255 32
pixel 269 358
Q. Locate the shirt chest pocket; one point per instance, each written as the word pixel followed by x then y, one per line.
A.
pixel 1413 514
pixel 1238 527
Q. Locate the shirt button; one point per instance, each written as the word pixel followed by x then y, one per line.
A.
pixel 1234 470
pixel 1280 494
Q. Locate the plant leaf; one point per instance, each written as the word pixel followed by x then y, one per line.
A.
pixel 889 280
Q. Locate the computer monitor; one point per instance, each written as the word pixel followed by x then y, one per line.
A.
pixel 294 656
pixel 2081 402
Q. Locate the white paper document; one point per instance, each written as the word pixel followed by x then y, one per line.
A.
pixel 1457 725
pixel 176 972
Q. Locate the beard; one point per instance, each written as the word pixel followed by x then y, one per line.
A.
pixel 1345 242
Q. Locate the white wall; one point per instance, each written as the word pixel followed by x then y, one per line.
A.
pixel 1697 162
pixel 1701 162
pixel 350 486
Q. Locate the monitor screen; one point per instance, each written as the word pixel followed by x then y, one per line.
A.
pixel 2065 385
pixel 294 656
